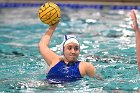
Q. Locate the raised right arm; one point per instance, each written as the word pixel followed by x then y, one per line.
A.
pixel 49 56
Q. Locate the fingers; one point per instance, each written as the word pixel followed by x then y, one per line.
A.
pixel 134 18
pixel 132 26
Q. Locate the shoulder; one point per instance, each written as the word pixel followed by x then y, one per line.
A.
pixel 86 64
pixel 88 68
pixel 56 61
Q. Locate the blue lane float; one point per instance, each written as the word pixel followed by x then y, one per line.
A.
pixel 16 5
pixel 73 6
pixel 81 6
pixel 125 7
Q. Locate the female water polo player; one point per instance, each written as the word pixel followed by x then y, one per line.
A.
pixel 68 68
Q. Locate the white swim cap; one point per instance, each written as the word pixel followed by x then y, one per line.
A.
pixel 68 39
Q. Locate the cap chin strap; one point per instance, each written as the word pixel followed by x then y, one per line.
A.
pixel 69 63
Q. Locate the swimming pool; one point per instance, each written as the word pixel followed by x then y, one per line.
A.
pixel 106 39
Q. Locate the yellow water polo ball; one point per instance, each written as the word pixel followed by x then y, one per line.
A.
pixel 49 13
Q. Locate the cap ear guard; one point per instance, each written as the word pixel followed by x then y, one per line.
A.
pixel 66 37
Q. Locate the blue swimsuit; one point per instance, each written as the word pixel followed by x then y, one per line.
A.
pixel 63 72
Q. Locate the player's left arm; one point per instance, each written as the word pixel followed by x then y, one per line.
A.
pixel 91 71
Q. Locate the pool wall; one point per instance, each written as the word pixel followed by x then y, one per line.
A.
pixel 70 0
pixel 122 1
pixel 97 4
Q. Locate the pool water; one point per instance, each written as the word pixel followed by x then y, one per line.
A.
pixel 106 38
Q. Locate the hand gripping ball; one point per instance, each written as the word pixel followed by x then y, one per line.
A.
pixel 49 13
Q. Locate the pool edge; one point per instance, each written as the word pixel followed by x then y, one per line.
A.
pixel 74 5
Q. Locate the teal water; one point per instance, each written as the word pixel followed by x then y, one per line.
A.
pixel 106 38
